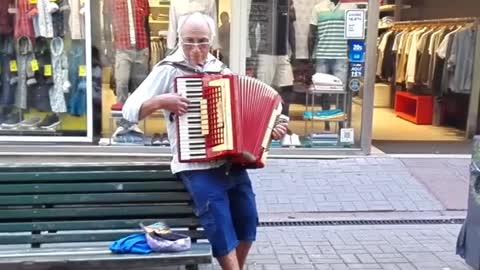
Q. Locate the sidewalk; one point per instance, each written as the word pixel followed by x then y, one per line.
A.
pixel 371 188
pixel 390 247
pixel 360 184
pixel 374 188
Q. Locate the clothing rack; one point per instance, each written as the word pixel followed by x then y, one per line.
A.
pixel 437 21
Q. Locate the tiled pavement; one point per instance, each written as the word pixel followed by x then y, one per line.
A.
pixel 446 179
pixel 387 247
pixel 357 184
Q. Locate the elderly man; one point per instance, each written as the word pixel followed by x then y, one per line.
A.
pixel 223 197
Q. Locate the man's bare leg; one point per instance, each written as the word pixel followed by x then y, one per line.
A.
pixel 229 261
pixel 242 253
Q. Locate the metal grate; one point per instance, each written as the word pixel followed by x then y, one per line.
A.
pixel 361 222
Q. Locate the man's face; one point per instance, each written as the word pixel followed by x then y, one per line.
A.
pixel 195 43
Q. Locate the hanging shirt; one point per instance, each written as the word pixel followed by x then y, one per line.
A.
pixel 461 60
pixel 180 8
pixel 6 19
pixel 43 22
pixel 76 20
pixel 272 37
pixel 412 56
pixel 330 21
pixel 23 21
pixel 117 11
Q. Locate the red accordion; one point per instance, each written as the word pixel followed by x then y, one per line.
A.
pixel 229 117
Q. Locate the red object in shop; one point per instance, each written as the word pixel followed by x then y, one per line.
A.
pixel 413 108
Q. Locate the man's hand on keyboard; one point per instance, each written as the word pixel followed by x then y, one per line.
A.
pixel 174 103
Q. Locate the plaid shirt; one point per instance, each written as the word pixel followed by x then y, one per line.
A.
pixel 23 19
pixel 118 10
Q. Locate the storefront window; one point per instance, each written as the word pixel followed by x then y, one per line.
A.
pixel 134 36
pixel 43 74
pixel 302 49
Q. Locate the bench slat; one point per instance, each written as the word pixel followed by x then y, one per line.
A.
pixel 78 237
pixel 200 253
pixel 91 212
pixel 92 187
pixel 87 167
pixel 91 198
pixel 89 225
pixel 87 176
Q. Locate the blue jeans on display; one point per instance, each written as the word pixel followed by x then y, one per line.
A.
pixel 76 57
pixel 8 79
pixel 225 204
pixel 337 68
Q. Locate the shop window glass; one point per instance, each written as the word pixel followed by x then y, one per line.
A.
pixel 299 48
pixel 43 68
pixel 134 36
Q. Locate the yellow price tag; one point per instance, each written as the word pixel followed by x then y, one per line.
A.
pixel 82 71
pixel 34 64
pixel 33 2
pixel 53 0
pixel 47 70
pixel 13 66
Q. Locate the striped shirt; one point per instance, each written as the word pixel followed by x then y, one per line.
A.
pixel 330 22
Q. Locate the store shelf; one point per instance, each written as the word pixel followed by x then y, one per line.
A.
pixel 158 22
pixel 343 119
pixel 413 108
pixel 387 8
pixel 160 6
pixel 391 8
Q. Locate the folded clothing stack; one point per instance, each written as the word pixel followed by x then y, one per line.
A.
pixel 336 114
pixel 322 139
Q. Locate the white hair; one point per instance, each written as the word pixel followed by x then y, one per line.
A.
pixel 197 17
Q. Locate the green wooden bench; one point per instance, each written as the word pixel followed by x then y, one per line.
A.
pixel 67 216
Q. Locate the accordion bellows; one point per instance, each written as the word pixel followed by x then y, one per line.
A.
pixel 229 117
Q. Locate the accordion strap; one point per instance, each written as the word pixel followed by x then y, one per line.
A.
pixel 189 68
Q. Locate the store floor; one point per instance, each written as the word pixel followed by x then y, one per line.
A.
pixel 387 126
pixel 394 135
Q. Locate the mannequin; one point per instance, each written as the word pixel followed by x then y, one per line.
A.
pixel 131 38
pixel 224 37
pixel 327 47
pixel 273 45
pixel 180 8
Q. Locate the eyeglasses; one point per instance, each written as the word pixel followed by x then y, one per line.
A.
pixel 200 45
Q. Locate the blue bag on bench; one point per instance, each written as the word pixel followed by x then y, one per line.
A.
pixel 135 243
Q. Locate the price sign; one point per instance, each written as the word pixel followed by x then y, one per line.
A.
pixel 13 66
pixel 34 65
pixel 347 136
pixel 82 71
pixel 355 24
pixel 47 70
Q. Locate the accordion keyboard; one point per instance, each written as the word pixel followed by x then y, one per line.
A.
pixel 192 140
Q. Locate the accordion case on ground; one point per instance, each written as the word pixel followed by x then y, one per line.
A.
pixel 229 116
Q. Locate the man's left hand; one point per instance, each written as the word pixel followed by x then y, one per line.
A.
pixel 279 131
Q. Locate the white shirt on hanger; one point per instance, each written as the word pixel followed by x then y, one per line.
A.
pixel 179 8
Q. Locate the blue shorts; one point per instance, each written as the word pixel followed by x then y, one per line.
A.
pixel 225 205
